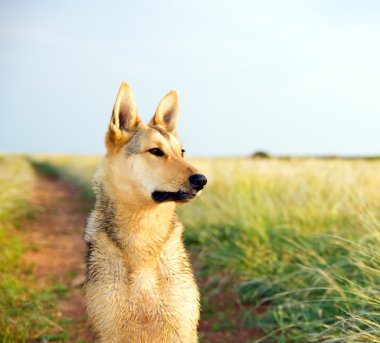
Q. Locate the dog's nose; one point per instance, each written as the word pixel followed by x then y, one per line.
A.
pixel 197 181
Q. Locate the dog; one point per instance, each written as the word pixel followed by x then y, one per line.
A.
pixel 140 286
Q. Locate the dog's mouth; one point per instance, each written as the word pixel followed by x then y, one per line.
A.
pixel 179 196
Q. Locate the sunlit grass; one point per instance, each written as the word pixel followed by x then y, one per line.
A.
pixel 25 312
pixel 302 237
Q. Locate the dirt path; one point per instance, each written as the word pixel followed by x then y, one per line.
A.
pixel 57 233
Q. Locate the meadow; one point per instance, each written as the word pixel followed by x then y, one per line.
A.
pixel 25 309
pixel 296 240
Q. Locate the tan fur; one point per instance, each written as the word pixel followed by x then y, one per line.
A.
pixel 140 285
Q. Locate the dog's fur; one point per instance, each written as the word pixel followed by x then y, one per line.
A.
pixel 140 285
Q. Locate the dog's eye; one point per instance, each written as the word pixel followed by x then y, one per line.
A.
pixel 183 152
pixel 156 152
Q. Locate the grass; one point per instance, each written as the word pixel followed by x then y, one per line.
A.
pixel 25 311
pixel 296 237
pixel 78 169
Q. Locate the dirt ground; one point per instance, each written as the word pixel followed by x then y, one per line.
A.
pixel 57 233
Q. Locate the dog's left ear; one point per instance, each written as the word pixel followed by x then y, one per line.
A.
pixel 167 113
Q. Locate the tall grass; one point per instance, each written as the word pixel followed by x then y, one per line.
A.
pixel 302 237
pixel 16 177
pixel 25 311
pixel 298 237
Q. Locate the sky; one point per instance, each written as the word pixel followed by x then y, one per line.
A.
pixel 287 77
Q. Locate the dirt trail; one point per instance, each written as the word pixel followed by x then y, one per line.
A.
pixel 57 233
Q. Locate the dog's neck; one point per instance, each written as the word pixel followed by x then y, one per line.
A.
pixel 140 233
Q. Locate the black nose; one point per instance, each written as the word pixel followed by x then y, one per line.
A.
pixel 197 181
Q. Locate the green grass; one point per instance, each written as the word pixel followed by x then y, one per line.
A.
pixel 25 312
pixel 299 237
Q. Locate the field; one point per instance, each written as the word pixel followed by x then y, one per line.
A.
pixel 285 250
pixel 25 302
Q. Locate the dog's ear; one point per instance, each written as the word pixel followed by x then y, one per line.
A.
pixel 124 119
pixel 167 113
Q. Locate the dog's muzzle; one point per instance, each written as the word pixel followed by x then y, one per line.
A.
pixel 196 181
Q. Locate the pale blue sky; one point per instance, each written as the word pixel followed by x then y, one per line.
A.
pixel 288 77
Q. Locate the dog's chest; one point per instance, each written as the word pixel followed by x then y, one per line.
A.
pixel 153 296
pixel 145 290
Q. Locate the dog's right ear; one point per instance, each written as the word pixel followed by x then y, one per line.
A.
pixel 124 119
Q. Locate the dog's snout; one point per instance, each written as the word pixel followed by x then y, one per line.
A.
pixel 197 181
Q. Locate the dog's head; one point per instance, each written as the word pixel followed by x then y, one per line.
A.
pixel 146 162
